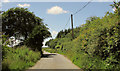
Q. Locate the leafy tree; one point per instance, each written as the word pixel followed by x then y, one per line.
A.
pixel 116 6
pixel 25 23
pixel 91 19
pixel 62 33
pixel 39 33
pixel 19 20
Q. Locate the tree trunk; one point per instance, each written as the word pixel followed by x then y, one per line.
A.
pixel 26 36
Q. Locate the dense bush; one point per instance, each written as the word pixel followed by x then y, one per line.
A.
pixel 16 59
pixel 97 45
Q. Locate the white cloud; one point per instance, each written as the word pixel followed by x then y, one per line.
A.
pixel 24 5
pixel 54 33
pixel 56 10
pixel 5 0
pixel 45 40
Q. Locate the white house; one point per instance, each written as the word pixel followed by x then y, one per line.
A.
pixel 14 41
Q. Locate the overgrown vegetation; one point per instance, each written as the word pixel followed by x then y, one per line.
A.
pixel 16 59
pixel 21 22
pixel 97 43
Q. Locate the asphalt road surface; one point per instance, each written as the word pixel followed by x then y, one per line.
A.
pixel 54 61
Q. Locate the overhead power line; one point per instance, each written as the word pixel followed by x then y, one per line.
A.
pixel 67 22
pixel 74 14
pixel 82 7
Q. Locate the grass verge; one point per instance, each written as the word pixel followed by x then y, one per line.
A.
pixel 17 59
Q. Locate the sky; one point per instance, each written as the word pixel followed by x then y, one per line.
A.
pixel 56 14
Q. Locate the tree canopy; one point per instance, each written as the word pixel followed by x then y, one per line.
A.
pixel 19 20
pixel 25 23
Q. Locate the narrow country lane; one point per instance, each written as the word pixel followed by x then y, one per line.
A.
pixel 54 61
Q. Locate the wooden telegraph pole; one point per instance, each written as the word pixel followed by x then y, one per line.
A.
pixel 72 25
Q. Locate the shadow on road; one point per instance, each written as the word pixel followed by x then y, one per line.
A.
pixel 48 55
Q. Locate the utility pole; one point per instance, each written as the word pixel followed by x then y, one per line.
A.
pixel 72 25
